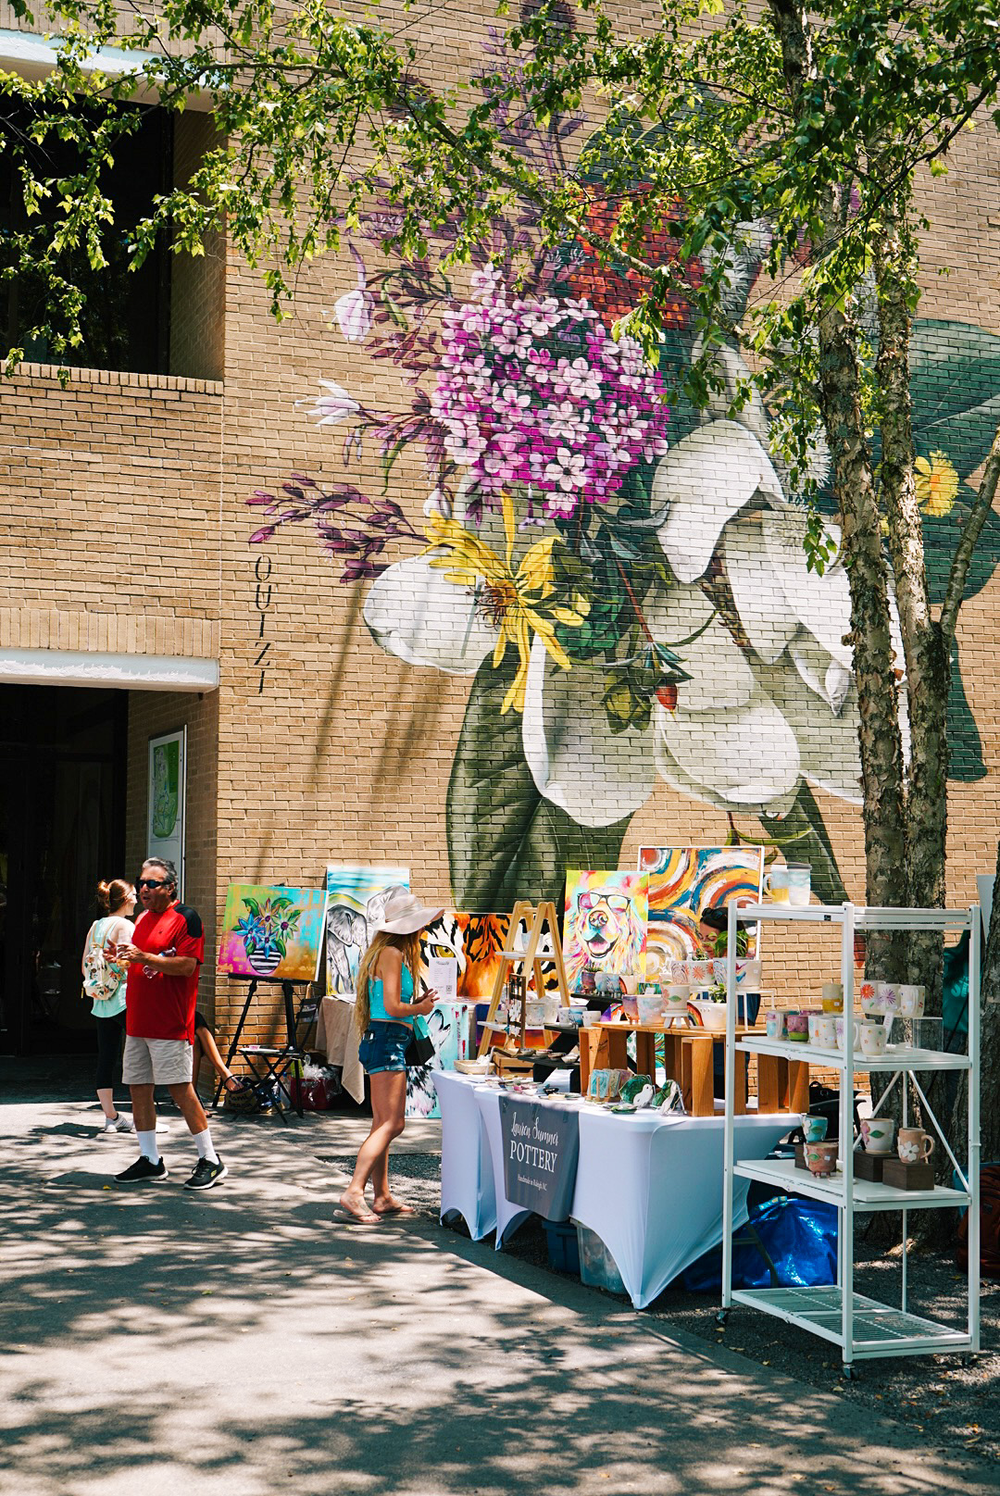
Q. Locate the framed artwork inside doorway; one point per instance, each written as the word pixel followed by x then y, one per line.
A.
pixel 166 800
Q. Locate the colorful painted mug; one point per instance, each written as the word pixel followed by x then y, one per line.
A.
pixel 799 882
pixel 833 997
pixel 814 1128
pixel 873 1038
pixel 776 885
pixel 774 1024
pixel 821 1158
pixel 877 1133
pixel 846 1027
pixel 798 1027
pixel 914 1145
pixel 911 1002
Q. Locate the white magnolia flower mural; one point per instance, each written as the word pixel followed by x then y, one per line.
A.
pixel 759 714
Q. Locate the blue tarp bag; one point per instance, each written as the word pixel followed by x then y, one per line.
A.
pixel 786 1243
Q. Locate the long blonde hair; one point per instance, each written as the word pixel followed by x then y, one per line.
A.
pixel 409 945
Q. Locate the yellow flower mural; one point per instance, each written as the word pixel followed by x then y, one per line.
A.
pixel 517 603
pixel 937 485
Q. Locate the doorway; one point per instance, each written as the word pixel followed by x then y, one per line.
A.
pixel 62 828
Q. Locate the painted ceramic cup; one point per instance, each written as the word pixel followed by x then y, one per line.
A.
pixel 776 885
pixel 799 883
pixel 877 1133
pixel 846 1028
pixel 675 999
pixel 833 997
pixel 798 1027
pixel 867 992
pixel 678 973
pixel 700 973
pixel 826 1031
pixel 821 1158
pixel 815 1022
pixel 911 1002
pixel 888 996
pixel 873 1038
pixel 814 1128
pixel 774 1024
pixel 650 1007
pixel 914 1145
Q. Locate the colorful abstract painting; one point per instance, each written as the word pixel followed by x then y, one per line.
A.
pixel 605 923
pixel 357 898
pixel 682 881
pixel 275 933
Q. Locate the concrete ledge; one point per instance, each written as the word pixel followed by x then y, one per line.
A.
pixel 78 667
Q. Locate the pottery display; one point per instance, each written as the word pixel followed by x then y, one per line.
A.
pixel 814 1128
pixel 877 1134
pixel 914 1145
pixel 821 1158
pixel 797 1025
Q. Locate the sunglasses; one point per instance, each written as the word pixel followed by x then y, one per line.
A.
pixel 152 883
pixel 617 901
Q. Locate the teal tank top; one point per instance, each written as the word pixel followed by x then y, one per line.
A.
pixel 376 998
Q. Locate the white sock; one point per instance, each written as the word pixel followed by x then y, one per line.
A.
pixel 206 1148
pixel 147 1145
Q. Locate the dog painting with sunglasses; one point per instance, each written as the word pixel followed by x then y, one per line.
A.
pixel 605 924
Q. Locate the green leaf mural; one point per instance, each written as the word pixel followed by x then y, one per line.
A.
pixel 505 840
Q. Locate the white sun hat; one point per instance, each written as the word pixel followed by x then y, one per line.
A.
pixel 405 915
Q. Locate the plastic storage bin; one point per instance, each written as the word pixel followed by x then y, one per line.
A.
pixel 598 1268
pixel 564 1254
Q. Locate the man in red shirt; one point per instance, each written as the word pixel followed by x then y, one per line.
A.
pixel 164 959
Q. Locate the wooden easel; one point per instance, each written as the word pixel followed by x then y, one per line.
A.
pixel 536 917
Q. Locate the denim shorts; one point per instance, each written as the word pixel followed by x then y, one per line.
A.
pixel 383 1046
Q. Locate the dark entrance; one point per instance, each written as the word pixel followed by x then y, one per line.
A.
pixel 62 827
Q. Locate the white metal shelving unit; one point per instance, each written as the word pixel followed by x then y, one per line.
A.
pixel 862 1327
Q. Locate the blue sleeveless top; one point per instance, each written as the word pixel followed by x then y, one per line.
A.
pixel 376 997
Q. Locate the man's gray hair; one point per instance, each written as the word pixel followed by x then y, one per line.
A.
pixel 166 865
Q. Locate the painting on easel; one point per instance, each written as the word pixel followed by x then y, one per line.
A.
pixel 357 900
pixel 604 929
pixel 272 932
pixel 683 881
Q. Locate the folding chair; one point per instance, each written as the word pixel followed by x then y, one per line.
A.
pixel 276 1062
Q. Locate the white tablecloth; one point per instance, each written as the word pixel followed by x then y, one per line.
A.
pixel 466 1168
pixel 650 1187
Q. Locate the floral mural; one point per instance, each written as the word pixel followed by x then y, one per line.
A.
pixel 621 577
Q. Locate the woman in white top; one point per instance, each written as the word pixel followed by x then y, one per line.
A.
pixel 116 901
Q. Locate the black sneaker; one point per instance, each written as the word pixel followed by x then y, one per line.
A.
pixel 206 1173
pixel 143 1168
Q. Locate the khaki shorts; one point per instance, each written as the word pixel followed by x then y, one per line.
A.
pixel 161 1062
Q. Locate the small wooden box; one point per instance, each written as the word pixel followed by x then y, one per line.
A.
pixel 800 1157
pixel 507 1063
pixel 869 1166
pixel 919 1176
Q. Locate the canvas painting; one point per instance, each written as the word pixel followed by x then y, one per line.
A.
pixel 682 881
pixel 605 924
pixel 275 933
pixel 357 899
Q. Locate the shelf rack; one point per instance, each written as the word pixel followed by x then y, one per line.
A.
pixel 862 1327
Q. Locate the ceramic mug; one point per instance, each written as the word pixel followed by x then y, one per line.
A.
pixel 914 1145
pixel 873 1038
pixel 748 974
pixel 833 997
pixel 867 991
pixel 877 1133
pixel 821 1158
pixel 814 1128
pixel 798 1027
pixel 799 881
pixel 911 1002
pixel 776 885
pixel 774 1024
pixel 814 1019
pixel 888 996
pixel 826 1031
pixel 845 1027
pixel 650 1007
pixel 675 999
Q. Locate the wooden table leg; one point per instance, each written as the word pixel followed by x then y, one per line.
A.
pixel 645 1055
pixel 742 1066
pixel 798 1085
pixel 772 1084
pixel 697 1084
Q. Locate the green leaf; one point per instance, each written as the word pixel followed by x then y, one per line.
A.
pixel 954 384
pixel 965 747
pixel 941 536
pixel 803 837
pixel 505 840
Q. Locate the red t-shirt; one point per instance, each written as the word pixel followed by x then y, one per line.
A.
pixel 158 1006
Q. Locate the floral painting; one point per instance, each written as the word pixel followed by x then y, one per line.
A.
pixel 604 927
pixel 620 577
pixel 275 933
pixel 684 881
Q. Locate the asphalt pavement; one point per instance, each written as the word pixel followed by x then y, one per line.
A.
pixel 157 1341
